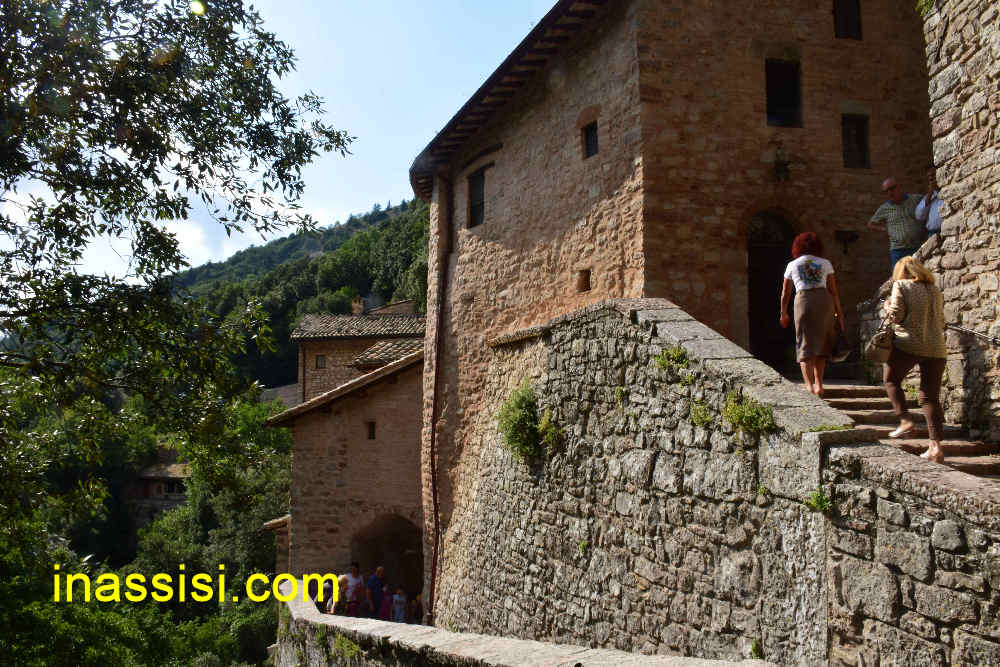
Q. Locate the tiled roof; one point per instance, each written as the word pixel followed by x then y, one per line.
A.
pixel 359 326
pixel 387 351
pixel 166 471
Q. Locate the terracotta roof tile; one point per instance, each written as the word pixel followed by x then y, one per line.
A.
pixel 388 351
pixel 359 326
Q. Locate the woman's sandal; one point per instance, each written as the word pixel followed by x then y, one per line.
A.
pixel 902 432
pixel 935 459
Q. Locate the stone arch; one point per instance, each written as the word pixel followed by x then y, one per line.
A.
pixel 395 543
pixel 769 238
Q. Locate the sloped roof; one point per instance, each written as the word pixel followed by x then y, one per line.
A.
pixel 388 351
pixel 288 394
pixel 555 29
pixel 359 326
pixel 166 471
pixel 345 389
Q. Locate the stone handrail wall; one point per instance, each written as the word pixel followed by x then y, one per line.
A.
pixel 651 530
pixel 309 638
pixel 963 49
pixel 659 528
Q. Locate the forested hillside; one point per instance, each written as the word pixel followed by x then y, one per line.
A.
pixel 383 252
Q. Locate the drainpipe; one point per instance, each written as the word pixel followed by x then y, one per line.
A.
pixel 442 291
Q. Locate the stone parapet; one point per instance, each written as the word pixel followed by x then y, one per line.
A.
pixel 308 638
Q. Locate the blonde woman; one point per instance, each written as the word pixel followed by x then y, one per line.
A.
pixel 916 309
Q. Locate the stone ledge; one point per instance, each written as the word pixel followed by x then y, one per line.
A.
pixel 443 647
pixel 974 499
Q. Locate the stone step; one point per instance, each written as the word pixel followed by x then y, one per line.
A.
pixel 979 466
pixel 853 391
pixel 882 416
pixel 881 431
pixel 867 403
pixel 959 447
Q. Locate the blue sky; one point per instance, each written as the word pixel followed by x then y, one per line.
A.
pixel 392 72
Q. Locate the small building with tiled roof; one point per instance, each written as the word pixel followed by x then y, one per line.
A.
pixel 334 349
pixel 355 491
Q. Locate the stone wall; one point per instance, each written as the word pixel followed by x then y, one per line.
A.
pixel 339 353
pixel 709 154
pixel 963 49
pixel 649 532
pixel 344 484
pixel 914 562
pixel 657 527
pixel 307 638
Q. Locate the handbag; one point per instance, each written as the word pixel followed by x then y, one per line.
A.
pixel 879 346
pixel 841 349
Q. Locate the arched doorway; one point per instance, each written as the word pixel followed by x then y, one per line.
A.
pixel 396 544
pixel 769 249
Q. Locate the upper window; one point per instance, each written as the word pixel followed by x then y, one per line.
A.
pixel 477 197
pixel 847 19
pixel 589 135
pixel 371 430
pixel 784 93
pixel 320 361
pixel 854 128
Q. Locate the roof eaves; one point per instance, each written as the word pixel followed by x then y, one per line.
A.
pixel 526 60
pixel 345 389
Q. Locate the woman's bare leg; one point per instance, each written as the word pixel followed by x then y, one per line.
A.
pixel 808 373
pixel 820 370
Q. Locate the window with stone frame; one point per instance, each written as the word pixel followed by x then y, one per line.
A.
pixel 847 19
pixel 320 361
pixel 477 197
pixel 784 92
pixel 855 134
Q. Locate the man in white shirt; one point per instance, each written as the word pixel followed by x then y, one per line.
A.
pixel 929 209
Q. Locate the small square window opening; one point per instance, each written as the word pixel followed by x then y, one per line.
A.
pixel 477 198
pixel 371 430
pixel 855 135
pixel 320 361
pixel 583 280
pixel 784 93
pixel 589 134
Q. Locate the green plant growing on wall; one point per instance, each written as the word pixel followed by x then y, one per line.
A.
pixel 912 391
pixel 829 427
pixel 674 358
pixel 748 414
pixel 687 379
pixel 583 545
pixel 345 648
pixel 322 639
pixel 925 6
pixel 620 397
pixel 818 501
pixel 551 434
pixel 700 414
pixel 762 490
pixel 518 422
pixel 756 650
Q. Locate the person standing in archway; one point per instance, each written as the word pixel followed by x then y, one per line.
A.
pixel 818 315
pixel 376 589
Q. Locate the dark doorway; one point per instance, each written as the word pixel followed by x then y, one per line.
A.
pixel 396 544
pixel 769 248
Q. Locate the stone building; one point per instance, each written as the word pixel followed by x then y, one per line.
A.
pixel 650 148
pixel 334 349
pixel 356 447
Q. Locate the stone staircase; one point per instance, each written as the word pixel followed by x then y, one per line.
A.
pixel 871 411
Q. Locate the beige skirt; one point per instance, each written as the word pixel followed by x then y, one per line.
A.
pixel 815 327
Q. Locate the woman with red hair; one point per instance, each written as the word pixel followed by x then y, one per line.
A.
pixel 818 315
